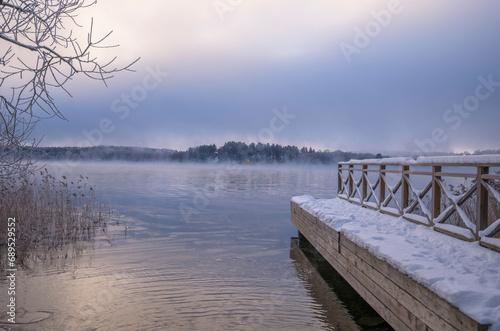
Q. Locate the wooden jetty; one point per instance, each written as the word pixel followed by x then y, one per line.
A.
pixel 404 303
pixel 335 312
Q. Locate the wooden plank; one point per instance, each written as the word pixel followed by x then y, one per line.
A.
pixel 317 242
pixel 396 295
pixel 422 173
pixel 308 216
pixel 424 164
pixel 446 164
pixel 391 171
pixel 308 229
pixel 490 246
pixel 411 218
pixel 387 313
pixel 403 315
pixel 408 288
pixel 353 170
pixel 372 192
pixel 370 205
pixel 454 234
pixel 453 174
pixel 390 211
pixel 335 311
pixel 490 176
pixel 456 206
pixel 421 293
pixel 370 170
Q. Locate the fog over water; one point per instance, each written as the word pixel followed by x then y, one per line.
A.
pixel 223 265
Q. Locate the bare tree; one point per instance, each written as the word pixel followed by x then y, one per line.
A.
pixel 40 54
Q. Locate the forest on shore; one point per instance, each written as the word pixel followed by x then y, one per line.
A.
pixel 229 152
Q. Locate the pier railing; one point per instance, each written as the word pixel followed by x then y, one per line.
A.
pixel 388 185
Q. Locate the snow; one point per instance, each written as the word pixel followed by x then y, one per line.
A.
pixel 456 230
pixel 417 218
pixel 388 161
pixel 441 216
pixel 461 213
pixel 392 187
pixel 491 241
pixel 460 159
pixel 357 200
pixel 390 210
pixel 488 231
pixel 420 202
pixel 424 160
pixel 371 204
pixel 463 273
pixel 495 193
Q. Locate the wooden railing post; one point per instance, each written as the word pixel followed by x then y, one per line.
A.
pixel 436 193
pixel 339 180
pixel 411 203
pixel 364 183
pixel 381 187
pixel 405 190
pixel 482 201
pixel 351 176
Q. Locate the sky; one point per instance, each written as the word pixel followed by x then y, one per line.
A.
pixel 367 76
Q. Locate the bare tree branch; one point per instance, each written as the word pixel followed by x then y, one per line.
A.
pixel 52 56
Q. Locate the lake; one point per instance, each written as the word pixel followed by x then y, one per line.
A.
pixel 189 247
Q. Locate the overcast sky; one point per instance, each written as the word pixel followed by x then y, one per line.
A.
pixel 358 75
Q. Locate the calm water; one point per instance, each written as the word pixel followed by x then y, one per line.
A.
pixel 192 247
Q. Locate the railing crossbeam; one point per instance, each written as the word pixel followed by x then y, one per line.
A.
pixel 350 189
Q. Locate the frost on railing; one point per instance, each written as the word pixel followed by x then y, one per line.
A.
pixel 457 195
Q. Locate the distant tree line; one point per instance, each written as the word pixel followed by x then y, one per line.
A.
pixel 264 153
pixel 229 152
pixel 104 153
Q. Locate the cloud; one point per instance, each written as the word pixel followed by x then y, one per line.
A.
pixel 227 76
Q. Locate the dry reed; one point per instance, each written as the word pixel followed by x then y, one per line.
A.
pixel 50 212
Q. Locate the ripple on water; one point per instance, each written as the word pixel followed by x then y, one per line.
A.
pixel 226 267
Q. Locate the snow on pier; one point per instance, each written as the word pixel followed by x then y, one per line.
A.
pixel 394 234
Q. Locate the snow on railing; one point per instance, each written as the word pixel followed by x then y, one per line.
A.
pixel 383 195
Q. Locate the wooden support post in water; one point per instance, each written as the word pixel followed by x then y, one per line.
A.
pixel 436 193
pixel 365 184
pixel 482 201
pixel 381 187
pixel 405 190
pixel 301 237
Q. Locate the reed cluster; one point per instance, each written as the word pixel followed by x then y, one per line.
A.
pixel 49 212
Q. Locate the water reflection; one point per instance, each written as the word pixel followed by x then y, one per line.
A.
pixel 341 304
pixel 334 310
pixel 227 268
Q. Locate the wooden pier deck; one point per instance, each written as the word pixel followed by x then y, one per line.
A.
pixel 402 301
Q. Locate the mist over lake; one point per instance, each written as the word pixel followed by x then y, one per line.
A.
pixel 223 265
